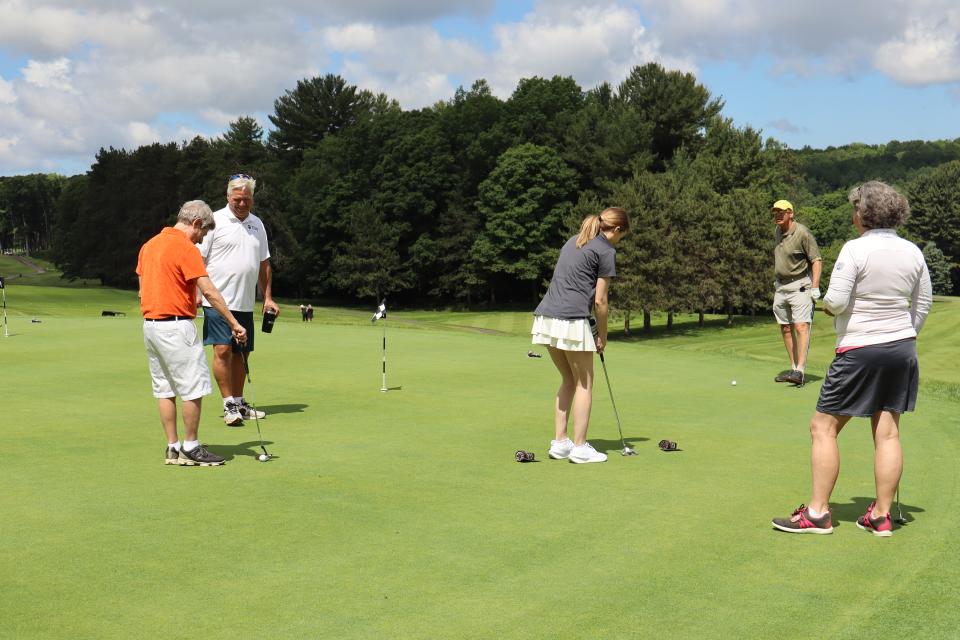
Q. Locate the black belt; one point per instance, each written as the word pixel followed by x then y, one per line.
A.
pixel 790 280
pixel 167 318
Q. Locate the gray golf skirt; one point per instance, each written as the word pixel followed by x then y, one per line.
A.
pixel 879 377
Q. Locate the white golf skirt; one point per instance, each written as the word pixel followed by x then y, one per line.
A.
pixel 568 335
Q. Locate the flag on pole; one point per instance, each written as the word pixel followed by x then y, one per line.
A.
pixel 381 311
pixel 1 282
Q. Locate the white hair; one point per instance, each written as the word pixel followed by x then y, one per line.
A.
pixel 196 210
pixel 242 182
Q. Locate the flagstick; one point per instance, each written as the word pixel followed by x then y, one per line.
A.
pixel 6 328
pixel 383 387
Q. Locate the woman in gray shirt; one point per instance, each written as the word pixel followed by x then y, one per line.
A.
pixel 579 285
pixel 879 295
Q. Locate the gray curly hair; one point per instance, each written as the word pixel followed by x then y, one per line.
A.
pixel 879 205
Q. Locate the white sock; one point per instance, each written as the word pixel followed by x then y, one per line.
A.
pixel 174 445
pixel 190 445
pixel 800 369
pixel 813 514
pixel 238 399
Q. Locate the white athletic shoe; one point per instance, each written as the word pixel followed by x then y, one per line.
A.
pixel 560 449
pixel 247 412
pixel 232 416
pixel 586 453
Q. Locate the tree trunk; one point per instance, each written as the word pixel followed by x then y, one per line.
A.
pixel 646 321
pixel 626 323
pixel 700 321
pixel 669 320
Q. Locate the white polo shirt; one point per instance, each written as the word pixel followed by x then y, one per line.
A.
pixel 879 290
pixel 233 252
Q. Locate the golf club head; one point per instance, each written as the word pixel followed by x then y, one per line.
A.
pixel 627 451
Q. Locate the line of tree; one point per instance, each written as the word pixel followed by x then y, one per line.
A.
pixel 468 201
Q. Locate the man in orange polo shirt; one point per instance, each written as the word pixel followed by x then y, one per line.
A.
pixel 170 270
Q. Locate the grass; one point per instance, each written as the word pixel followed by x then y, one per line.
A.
pixel 403 514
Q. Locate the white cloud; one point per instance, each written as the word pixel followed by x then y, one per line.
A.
pixel 49 75
pixel 8 94
pixel 112 73
pixel 350 38
pixel 141 133
pixel 928 52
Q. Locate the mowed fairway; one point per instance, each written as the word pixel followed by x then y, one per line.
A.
pixel 404 514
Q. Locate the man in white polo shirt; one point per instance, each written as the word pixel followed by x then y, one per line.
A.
pixel 237 257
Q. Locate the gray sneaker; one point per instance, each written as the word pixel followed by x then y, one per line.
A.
pixel 200 457
pixel 172 457
pixel 231 415
pixel 249 413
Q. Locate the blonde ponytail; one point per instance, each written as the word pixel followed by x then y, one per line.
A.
pixel 589 229
pixel 609 218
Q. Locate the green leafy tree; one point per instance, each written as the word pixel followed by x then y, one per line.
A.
pixel 935 208
pixel 674 103
pixel 539 111
pixel 939 268
pixel 523 203
pixel 27 210
pixel 369 264
pixel 607 142
pixel 316 108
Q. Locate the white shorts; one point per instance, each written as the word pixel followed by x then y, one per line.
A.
pixel 791 305
pixel 175 355
pixel 567 335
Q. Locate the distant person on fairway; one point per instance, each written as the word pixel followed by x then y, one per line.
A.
pixel 238 258
pixel 797 262
pixel 170 270
pixel 879 295
pixel 581 281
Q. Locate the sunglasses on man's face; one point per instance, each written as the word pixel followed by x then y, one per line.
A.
pixel 241 176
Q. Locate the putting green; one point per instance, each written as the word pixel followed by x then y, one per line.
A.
pixel 404 515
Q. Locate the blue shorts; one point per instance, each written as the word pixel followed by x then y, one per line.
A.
pixel 217 331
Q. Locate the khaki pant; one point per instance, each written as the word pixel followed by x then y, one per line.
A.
pixel 791 305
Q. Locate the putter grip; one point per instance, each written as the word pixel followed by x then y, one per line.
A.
pixel 268 318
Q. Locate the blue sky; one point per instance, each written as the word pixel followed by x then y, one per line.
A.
pixel 78 75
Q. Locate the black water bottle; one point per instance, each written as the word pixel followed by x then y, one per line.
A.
pixel 268 318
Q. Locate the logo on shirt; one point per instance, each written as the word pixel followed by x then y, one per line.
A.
pixel 839 266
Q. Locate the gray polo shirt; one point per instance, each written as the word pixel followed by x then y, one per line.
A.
pixel 574 284
pixel 794 253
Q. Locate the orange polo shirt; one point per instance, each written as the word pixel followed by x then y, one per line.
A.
pixel 168 266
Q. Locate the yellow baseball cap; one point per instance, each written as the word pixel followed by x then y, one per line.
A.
pixel 782 205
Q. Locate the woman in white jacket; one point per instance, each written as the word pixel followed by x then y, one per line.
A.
pixel 879 295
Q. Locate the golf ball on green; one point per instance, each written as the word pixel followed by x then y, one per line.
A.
pixel 263 457
pixel 733 382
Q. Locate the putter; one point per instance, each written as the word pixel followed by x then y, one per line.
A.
pixel 626 451
pixel 899 519
pixel 246 368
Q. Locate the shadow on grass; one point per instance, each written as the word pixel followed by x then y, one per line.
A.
pixel 689 328
pixel 249 449
pixel 608 446
pixel 856 507
pixel 281 408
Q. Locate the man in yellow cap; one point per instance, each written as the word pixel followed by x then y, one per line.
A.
pixel 798 264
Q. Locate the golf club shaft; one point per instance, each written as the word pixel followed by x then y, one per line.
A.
pixel 253 402
pixel 616 414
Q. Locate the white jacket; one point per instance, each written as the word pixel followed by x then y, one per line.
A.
pixel 879 291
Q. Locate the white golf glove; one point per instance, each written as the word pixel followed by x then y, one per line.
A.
pixel 815 293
